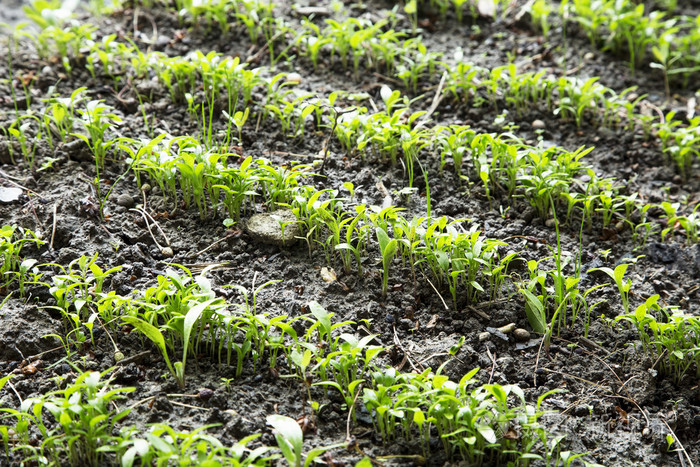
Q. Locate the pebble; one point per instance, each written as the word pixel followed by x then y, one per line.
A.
pixel 538 125
pixel 267 227
pixel 521 335
pixel 9 194
pixel 125 200
pixel 549 222
pixel 294 78
pixel 205 394
pixel 507 328
pixel 484 336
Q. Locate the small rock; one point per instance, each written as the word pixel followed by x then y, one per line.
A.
pixel 549 222
pixel 162 41
pixel 521 335
pixel 125 200
pixel 484 336
pixel 9 194
pixel 205 394
pixel 147 88
pixel 538 125
pixel 486 8
pixel 507 328
pixel 145 187
pixel 294 78
pixel 267 228
pixel 167 252
pixel 78 150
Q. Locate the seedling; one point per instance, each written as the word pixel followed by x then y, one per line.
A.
pixel 83 422
pixel 387 248
pixel 674 336
pixel 623 286
pixel 12 264
pixel 154 334
pixel 290 440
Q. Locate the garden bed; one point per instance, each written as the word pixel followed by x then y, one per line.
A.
pixel 437 195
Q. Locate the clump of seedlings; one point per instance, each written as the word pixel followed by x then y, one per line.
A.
pixel 13 266
pixel 669 337
pixel 76 424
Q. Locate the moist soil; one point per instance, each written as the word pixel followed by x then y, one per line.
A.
pixel 615 406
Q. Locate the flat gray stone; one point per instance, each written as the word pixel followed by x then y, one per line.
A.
pixel 9 194
pixel 267 227
pixel 125 200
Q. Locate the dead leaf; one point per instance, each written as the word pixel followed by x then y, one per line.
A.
pixel 623 414
pixel 328 275
pixel 32 367
pixel 433 321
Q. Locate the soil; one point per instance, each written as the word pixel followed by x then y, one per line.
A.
pixel 615 407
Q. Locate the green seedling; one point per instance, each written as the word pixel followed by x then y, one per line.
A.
pixel 163 445
pixel 623 286
pixel 290 440
pixel 541 10
pixel 80 430
pixel 155 336
pixel 387 248
pixel 673 341
pixel 679 142
pixel 12 264
pixel 535 311
pixel 19 130
pixel 238 119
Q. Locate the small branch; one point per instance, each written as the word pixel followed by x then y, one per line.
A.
pixel 53 229
pixel 681 449
pixel 347 423
pixel 405 352
pixel 436 102
pixel 146 217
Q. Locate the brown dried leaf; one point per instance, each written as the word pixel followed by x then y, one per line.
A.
pixel 328 275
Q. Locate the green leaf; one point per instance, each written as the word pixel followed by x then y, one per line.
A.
pixel 313 454
pixel 389 251
pixel 620 273
pixel 322 316
pixel 191 319
pixel 487 432
pixel 153 333
pixel 535 312
pixel 382 239
pixel 4 380
pixel 640 312
pixel 289 437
